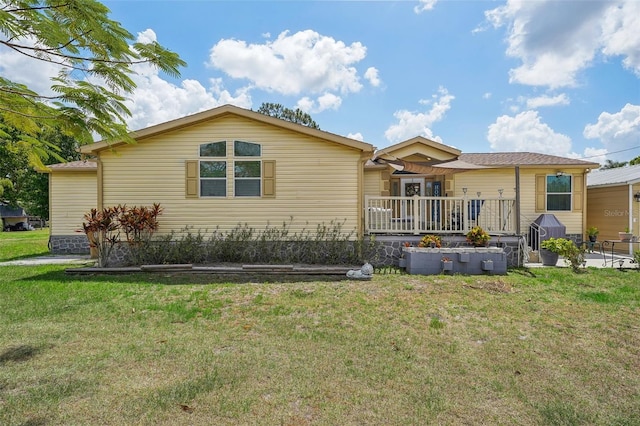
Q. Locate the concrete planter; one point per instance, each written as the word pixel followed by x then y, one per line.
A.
pixel 487 265
pixel 625 236
pixel 447 265
pixel 462 260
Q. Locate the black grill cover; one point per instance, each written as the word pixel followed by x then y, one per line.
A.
pixel 548 226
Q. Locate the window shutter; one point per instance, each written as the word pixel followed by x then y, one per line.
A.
pixel 578 192
pixel 448 186
pixel 191 179
pixel 268 178
pixel 541 193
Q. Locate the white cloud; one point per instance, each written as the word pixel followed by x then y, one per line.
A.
pixel 371 74
pixel 153 101
pixel 617 132
pixel 156 100
pixel 326 101
pixel 424 5
pixel 357 136
pixel 526 132
pixel 411 124
pixel 22 69
pixel 556 40
pixel 597 155
pixel 147 36
pixel 620 34
pixel 304 62
pixel 329 101
pixel 546 101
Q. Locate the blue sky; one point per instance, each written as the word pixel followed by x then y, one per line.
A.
pixel 557 77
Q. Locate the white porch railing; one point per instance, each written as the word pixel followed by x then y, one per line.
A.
pixel 431 215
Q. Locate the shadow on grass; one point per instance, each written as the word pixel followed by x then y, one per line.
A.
pixel 181 278
pixel 26 256
pixel 38 421
pixel 525 272
pixel 18 354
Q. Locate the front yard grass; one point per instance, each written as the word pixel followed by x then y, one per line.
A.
pixel 539 346
pixel 18 245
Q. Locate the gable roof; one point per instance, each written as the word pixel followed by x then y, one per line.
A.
pixel 628 175
pixel 523 159
pixel 223 111
pixel 418 140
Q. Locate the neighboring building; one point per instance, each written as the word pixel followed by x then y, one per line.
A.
pixel 230 166
pixel 614 201
pixel 12 216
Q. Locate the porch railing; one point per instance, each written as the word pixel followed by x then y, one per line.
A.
pixel 420 215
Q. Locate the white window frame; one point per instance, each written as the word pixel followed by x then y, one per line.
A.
pixel 570 193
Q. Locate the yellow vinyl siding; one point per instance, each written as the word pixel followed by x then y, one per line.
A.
pixel 72 195
pixel 419 152
pixel 316 180
pixel 372 182
pixel 488 181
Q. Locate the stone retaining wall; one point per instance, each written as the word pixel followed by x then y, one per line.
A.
pixel 69 244
pixel 389 248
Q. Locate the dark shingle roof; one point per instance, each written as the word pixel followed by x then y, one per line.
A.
pixel 522 159
pixel 11 211
pixel 75 165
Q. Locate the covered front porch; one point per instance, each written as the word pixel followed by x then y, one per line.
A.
pixel 415 215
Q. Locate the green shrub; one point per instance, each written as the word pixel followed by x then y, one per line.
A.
pixel 572 254
pixel 329 244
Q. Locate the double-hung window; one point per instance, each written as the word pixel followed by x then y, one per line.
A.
pixel 236 167
pixel 247 169
pixel 213 169
pixel 559 192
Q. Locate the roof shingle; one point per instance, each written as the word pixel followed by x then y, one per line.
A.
pixel 522 159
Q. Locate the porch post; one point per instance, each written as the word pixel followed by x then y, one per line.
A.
pixel 415 215
pixel 518 230
pixel 366 215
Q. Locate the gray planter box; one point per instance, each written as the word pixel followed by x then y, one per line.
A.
pixel 478 261
pixel 487 265
pixel 447 265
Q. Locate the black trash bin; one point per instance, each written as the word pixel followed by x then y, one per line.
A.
pixel 544 227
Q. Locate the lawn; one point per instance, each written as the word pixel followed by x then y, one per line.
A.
pixel 18 245
pixel 542 346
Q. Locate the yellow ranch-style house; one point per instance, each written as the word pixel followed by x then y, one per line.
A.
pixel 229 165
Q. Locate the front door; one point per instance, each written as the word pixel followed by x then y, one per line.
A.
pixel 410 187
pixel 413 186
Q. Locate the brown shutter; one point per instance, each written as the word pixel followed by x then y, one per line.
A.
pixel 448 185
pixel 191 179
pixel 578 192
pixel 541 193
pixel 268 178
